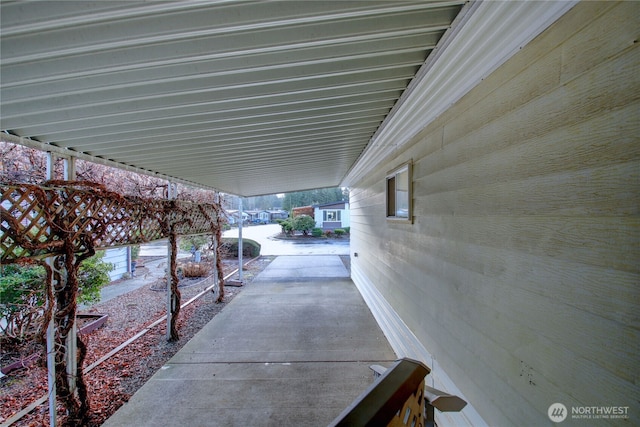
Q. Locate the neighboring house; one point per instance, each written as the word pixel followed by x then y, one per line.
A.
pixel 303 210
pixel 263 217
pixel 330 216
pixel 257 216
pixel 119 257
pixel 276 214
pixel 233 215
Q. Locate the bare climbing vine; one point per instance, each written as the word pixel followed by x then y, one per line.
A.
pixel 219 266
pixel 216 245
pixel 67 221
pixel 173 289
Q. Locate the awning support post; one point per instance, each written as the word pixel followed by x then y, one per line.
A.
pixel 241 221
pixel 51 347
pixel 69 165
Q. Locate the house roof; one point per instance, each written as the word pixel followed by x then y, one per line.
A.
pixel 246 97
pixel 332 204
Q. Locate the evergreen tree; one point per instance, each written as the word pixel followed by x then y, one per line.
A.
pixel 314 197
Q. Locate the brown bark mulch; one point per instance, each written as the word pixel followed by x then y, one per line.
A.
pixel 113 382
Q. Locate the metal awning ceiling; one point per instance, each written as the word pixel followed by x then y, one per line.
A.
pixel 247 97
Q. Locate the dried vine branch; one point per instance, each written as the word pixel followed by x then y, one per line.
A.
pixel 219 265
pixel 216 232
pixel 175 292
pixel 69 220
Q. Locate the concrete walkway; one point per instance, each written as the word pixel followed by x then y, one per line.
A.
pixel 292 349
pixel 152 271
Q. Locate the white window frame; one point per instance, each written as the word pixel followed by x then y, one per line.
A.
pixel 336 214
pixel 399 194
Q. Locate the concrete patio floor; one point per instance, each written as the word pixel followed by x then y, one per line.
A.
pixel 292 349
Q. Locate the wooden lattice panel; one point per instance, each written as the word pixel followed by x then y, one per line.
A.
pixel 36 219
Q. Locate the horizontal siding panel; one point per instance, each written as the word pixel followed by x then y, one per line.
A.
pixel 464 306
pixel 118 258
pixel 610 34
pixel 545 45
pixel 575 284
pixel 521 306
pixel 609 242
pixel 604 89
pixel 547 67
pixel 541 77
pixel 537 370
pixel 608 139
pixel 610 191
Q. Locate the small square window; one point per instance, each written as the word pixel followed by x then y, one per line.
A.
pixel 399 194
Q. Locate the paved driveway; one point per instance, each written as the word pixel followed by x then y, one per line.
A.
pixel 263 234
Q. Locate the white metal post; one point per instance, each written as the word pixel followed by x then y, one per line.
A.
pixel 51 163
pixel 240 239
pixel 70 168
pixel 216 281
pixel 72 338
pixel 51 347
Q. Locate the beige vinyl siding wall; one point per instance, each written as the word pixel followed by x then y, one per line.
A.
pixel 520 273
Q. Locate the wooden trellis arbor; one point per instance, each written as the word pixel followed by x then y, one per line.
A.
pixel 65 222
pixel 36 220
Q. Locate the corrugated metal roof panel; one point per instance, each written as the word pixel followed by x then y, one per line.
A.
pixel 247 97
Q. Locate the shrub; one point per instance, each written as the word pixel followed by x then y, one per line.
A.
pixel 93 274
pixel 347 229
pixel 250 248
pixel 316 232
pixel 286 225
pixel 195 269
pixel 339 232
pixel 22 293
pixel 303 223
pixel 135 252
pixel 22 297
pixel 187 243
pixel 328 233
